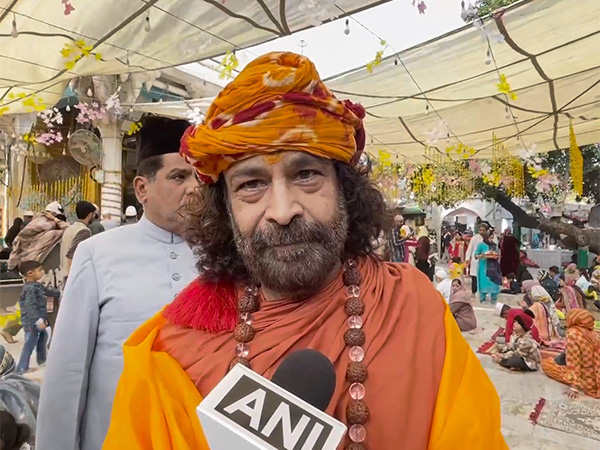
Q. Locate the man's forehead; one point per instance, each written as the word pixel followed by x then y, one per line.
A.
pixel 175 161
pixel 282 158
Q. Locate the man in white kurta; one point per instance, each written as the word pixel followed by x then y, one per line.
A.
pixel 118 280
pixel 109 293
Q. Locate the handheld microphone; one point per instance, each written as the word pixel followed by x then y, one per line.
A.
pixel 248 412
pixel 309 375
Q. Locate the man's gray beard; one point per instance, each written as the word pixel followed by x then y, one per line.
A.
pixel 297 272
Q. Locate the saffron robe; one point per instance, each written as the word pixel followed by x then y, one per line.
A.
pixel 425 388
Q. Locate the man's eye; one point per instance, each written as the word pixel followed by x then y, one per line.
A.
pixel 306 174
pixel 251 185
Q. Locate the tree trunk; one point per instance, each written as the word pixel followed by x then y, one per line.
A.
pixel 570 235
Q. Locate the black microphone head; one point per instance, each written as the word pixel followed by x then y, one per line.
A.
pixel 309 375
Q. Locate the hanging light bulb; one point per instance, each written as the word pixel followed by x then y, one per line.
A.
pixel 148 27
pixel 507 114
pixel 14 136
pixel 160 101
pixel 14 32
pixel 68 108
pixel 131 109
pixel 89 92
pixel 347 29
pixel 64 153
pixel 488 59
pixel 69 135
pixel 427 108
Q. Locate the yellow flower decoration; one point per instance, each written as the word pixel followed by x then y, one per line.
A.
pixel 576 162
pixel 504 87
pixel 493 179
pixel 29 101
pixel 378 57
pixel 428 177
pixel 461 150
pixel 134 128
pixel 13 96
pixel 385 158
pixel 29 138
pixel 536 173
pixel 76 51
pixel 4 110
pixel 34 104
pixel 229 64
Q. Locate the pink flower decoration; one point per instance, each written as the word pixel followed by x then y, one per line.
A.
pixel 68 9
pixel 475 167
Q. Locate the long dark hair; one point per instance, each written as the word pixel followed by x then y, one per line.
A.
pixel 209 229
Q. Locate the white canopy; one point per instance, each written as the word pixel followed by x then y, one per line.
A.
pixel 137 35
pixel 551 59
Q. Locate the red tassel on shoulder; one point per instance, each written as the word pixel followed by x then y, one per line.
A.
pixel 204 306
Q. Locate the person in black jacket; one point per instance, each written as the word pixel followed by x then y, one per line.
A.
pixel 549 284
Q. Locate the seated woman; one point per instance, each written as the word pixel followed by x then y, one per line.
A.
pixel 546 320
pixel 461 307
pixel 523 353
pixel 582 369
pixel 570 296
pixel 593 291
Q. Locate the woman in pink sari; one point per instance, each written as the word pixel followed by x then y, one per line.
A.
pixel 570 296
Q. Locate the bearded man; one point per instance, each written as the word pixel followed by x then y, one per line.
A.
pixel 285 226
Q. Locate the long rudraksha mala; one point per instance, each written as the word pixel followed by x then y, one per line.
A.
pixel 357 412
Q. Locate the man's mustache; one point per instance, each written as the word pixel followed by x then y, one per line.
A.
pixel 299 231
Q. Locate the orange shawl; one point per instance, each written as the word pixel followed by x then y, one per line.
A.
pixel 426 389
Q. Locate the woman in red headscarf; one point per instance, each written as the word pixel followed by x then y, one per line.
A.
pixel 582 369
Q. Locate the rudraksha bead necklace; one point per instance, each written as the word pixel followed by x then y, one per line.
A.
pixel 357 412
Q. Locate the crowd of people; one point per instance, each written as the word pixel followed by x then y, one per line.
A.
pixel 553 308
pixel 48 239
pixel 272 254
pixel 274 251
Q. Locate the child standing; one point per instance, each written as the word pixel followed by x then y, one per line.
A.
pixel 457 269
pixel 33 314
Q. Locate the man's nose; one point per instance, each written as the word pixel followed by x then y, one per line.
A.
pixel 282 205
pixel 191 185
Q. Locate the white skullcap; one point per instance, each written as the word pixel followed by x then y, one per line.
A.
pixel 131 211
pixel 499 307
pixel 55 208
pixel 441 273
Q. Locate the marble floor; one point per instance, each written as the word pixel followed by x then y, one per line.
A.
pixel 518 393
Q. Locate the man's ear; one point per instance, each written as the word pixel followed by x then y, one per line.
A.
pixel 140 186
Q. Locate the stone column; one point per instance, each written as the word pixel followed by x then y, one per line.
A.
pixel 112 164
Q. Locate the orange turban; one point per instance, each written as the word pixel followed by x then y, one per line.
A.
pixel 278 102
